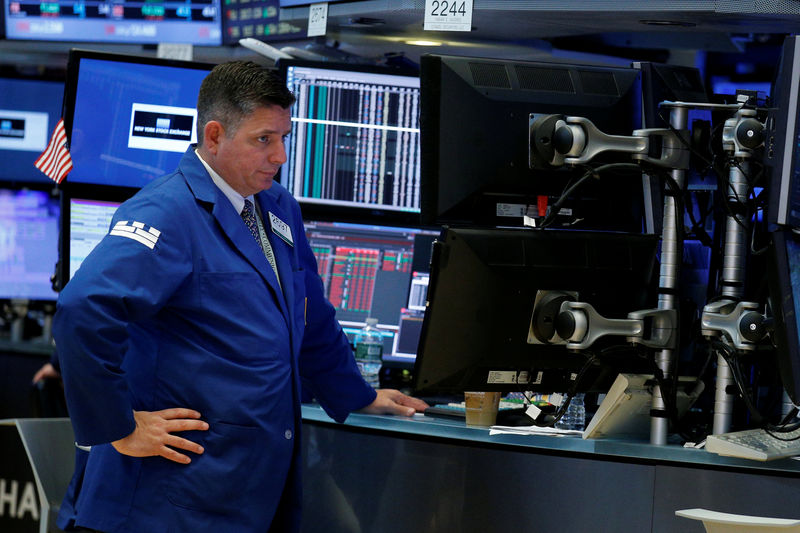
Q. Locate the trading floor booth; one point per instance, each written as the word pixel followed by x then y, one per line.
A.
pixel 521 224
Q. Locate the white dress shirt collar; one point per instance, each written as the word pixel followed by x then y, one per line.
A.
pixel 237 200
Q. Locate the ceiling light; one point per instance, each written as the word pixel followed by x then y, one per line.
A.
pixel 421 42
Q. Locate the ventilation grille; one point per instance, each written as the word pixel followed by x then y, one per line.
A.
pixel 490 75
pixel 544 79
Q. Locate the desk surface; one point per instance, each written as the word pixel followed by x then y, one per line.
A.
pixel 610 449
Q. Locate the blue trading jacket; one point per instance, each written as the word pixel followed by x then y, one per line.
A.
pixel 178 307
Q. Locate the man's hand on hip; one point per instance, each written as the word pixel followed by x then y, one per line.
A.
pixel 154 434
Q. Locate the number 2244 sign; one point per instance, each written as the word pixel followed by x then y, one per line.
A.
pixel 446 15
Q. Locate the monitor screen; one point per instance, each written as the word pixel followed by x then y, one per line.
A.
pixel 28 244
pixel 355 138
pixel 475 121
pixel 85 223
pixel 129 119
pixel 483 287
pixel 375 271
pixel 784 286
pixel 259 19
pixel 781 155
pixel 29 110
pixel 193 22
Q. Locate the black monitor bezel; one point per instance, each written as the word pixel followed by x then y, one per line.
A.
pixel 97 193
pixel 786 334
pixel 784 122
pixel 47 77
pixel 355 214
pixel 76 56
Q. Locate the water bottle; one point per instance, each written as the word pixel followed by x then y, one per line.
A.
pixel 369 348
pixel 575 417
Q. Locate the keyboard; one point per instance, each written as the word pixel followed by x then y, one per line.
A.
pixel 755 444
pixel 458 409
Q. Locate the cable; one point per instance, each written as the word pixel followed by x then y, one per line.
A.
pixel 590 173
pixel 562 409
pixel 773 430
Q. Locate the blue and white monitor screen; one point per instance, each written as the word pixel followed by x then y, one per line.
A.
pixel 29 110
pixel 132 122
pixel 28 244
pixel 89 221
pixel 191 21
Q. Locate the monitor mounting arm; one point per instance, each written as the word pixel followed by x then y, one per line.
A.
pixel 557 140
pixel 559 319
pixel 741 324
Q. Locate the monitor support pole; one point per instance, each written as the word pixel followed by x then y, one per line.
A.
pixel 669 276
pixel 739 324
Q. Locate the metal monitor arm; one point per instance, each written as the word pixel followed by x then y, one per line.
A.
pixel 559 319
pixel 557 140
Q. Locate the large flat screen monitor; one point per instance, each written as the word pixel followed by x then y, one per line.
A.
pixel 784 285
pixel 483 286
pixel 128 119
pixel 259 19
pixel 28 244
pixel 354 145
pixel 194 22
pixel 475 116
pixel 380 271
pixel 29 110
pixel 782 155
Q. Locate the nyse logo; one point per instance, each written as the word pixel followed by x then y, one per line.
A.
pixel 16 503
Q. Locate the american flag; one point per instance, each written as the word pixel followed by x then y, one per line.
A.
pixel 55 161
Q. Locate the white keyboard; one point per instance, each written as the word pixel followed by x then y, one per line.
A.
pixel 755 444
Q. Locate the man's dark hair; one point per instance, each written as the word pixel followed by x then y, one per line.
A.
pixel 234 90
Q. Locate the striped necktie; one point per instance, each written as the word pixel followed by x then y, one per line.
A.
pixel 249 217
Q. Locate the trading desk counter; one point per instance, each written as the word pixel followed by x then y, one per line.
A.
pixel 384 473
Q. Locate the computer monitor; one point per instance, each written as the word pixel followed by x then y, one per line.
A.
pixel 354 147
pixel 192 22
pixel 29 110
pixel 84 223
pixel 129 119
pixel 380 271
pixel 28 244
pixel 781 155
pixel 259 19
pixel 483 286
pixel 784 290
pixel 474 119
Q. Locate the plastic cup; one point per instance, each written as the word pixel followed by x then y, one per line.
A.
pixel 481 408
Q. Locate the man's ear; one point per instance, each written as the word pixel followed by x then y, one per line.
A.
pixel 212 135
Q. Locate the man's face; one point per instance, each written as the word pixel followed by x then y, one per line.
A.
pixel 249 160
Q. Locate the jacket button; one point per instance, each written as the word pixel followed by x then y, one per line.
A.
pixel 288 434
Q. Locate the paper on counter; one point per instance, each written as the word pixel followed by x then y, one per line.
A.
pixel 532 430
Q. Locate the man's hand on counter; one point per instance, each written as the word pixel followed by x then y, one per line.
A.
pixel 394 402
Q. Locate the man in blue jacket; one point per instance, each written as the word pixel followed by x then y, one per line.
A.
pixel 187 334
